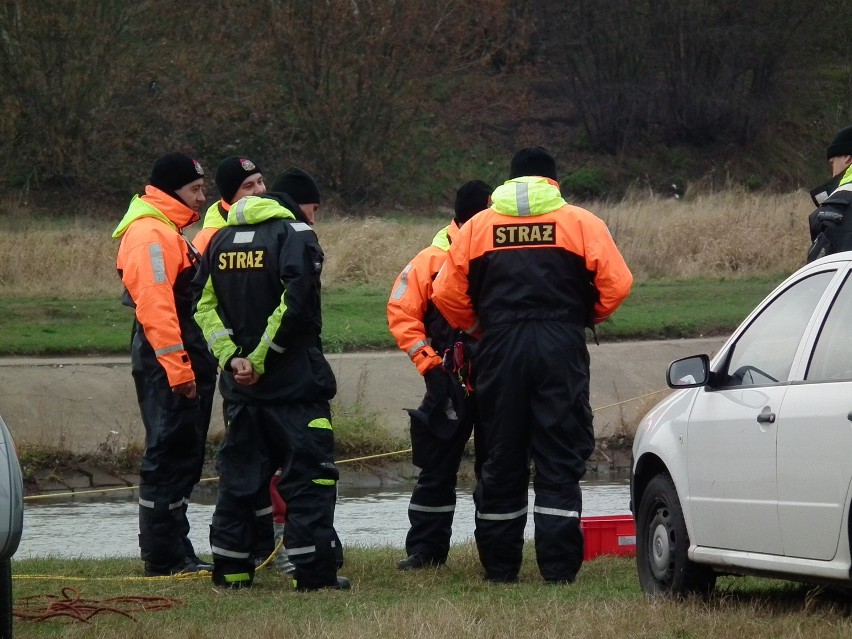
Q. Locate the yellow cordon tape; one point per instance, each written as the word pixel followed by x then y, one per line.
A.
pixel 205 574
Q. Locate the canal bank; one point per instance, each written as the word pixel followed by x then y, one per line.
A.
pixel 88 405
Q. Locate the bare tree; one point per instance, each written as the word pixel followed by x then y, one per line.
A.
pixel 362 82
pixel 58 63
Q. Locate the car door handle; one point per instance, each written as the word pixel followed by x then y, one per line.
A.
pixel 766 416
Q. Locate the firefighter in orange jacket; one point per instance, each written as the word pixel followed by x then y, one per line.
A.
pixel 235 178
pixel 437 439
pixel 174 372
pixel 527 276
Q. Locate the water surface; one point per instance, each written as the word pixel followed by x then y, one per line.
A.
pixel 363 518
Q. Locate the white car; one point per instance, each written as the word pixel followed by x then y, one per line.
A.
pixel 747 467
pixel 11 523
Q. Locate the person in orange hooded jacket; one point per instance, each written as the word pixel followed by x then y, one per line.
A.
pixel 437 439
pixel 527 276
pixel 173 370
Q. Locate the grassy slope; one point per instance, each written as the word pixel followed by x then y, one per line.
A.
pixel 355 317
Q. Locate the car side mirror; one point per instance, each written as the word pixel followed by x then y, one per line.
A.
pixel 689 372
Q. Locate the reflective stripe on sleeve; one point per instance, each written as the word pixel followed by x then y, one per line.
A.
pixel 470 330
pixel 413 350
pixel 268 341
pixel 229 553
pixel 263 511
pixel 239 210
pixel 559 512
pixel 399 291
pixel 432 509
pixel 158 264
pixel 215 336
pixel 324 482
pixel 168 349
pixel 320 422
pixel 502 516
pixel 302 550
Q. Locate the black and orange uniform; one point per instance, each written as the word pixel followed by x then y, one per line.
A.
pixel 527 276
pixel 260 300
pixel 157 263
pixel 423 334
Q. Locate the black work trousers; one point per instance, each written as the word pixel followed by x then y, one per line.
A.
pixel 175 438
pixel 433 501
pixel 259 439
pixel 533 391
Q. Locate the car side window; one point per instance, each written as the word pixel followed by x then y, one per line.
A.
pixel 764 353
pixel 832 357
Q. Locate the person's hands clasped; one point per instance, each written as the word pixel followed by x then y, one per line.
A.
pixel 243 371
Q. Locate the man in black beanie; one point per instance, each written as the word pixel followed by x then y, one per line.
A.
pixel 533 161
pixel 174 372
pixel 236 177
pixel 830 224
pixel 181 177
pixel 526 276
pixel 442 424
pixel 300 186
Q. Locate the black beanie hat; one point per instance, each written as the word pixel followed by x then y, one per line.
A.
pixel 841 144
pixel 533 160
pixel 298 185
pixel 174 171
pixel 231 173
pixel 471 198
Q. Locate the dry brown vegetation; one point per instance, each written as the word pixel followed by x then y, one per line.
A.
pixel 729 234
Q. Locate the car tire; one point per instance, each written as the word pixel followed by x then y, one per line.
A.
pixel 5 599
pixel 662 544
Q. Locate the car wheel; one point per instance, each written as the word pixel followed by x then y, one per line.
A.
pixel 5 599
pixel 662 544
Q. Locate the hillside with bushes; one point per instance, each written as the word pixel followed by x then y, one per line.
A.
pixel 392 104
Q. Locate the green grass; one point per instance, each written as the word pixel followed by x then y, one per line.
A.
pixel 355 319
pixel 451 601
pixel 686 308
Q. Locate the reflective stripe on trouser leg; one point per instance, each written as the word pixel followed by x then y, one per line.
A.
pixel 558 536
pixel 308 485
pixel 175 431
pixel 433 500
pixel 264 533
pixel 500 540
pixel 244 471
pixel 161 520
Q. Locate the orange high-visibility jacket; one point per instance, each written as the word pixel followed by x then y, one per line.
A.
pixel 531 256
pixel 152 257
pixel 410 300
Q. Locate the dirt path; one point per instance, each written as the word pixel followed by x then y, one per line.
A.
pixel 82 403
